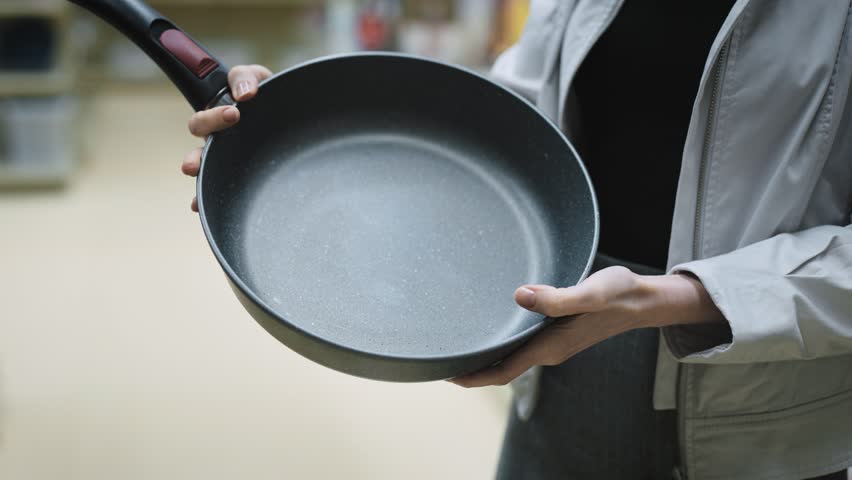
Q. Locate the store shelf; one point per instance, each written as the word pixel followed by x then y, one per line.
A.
pixel 36 106
pixel 22 177
pixel 56 76
pixel 27 84
pixel 240 35
pixel 17 8
pixel 236 3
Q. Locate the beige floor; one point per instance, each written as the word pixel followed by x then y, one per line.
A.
pixel 123 354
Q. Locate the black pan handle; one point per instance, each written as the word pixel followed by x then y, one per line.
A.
pixel 195 71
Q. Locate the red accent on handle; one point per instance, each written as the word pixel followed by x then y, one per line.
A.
pixel 188 52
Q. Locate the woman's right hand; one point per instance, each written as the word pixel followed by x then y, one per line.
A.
pixel 243 81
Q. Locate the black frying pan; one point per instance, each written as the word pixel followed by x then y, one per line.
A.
pixel 375 212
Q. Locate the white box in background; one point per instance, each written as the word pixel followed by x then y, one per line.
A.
pixel 37 138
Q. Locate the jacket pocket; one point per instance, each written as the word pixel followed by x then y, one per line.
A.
pixel 804 441
pixel 752 388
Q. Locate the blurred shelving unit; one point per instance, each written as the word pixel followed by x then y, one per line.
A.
pixel 83 55
pixel 48 8
pixel 242 3
pixel 282 33
pixel 37 77
pixel 276 33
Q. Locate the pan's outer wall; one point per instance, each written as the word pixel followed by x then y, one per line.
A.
pixel 369 366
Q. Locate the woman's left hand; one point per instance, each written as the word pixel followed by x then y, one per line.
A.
pixel 612 301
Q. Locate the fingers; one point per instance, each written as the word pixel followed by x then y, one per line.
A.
pixel 550 301
pixel 500 374
pixel 206 122
pixel 191 165
pixel 497 375
pixel 192 162
pixel 556 302
pixel 245 79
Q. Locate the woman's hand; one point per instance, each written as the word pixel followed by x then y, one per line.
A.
pixel 611 301
pixel 243 81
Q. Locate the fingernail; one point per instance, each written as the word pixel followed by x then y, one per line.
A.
pixel 230 115
pixel 243 88
pixel 525 297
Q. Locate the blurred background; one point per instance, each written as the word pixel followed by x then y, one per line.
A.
pixel 123 353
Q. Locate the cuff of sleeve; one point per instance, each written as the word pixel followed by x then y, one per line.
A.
pixel 707 343
pixel 774 294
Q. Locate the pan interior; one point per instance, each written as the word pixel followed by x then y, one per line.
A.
pixel 396 216
pixel 390 243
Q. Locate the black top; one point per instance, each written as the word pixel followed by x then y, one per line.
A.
pixel 635 92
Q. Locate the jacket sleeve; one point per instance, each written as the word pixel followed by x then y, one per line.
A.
pixel 785 298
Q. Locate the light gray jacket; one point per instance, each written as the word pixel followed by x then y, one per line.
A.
pixel 762 217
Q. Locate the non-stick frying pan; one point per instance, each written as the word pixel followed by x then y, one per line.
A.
pixel 375 212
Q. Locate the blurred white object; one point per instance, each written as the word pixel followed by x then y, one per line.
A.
pixel 341 19
pixel 443 41
pixel 478 19
pixel 37 137
pixel 465 39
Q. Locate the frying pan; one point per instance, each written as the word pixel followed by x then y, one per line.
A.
pixel 375 211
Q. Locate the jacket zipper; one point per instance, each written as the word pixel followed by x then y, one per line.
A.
pixel 680 469
pixel 718 74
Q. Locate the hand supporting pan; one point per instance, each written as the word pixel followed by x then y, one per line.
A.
pixel 376 211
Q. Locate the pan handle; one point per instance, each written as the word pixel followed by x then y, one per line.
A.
pixel 195 71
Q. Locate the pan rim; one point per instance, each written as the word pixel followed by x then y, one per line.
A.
pixel 250 294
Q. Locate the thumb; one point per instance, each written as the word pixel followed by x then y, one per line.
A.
pixel 245 79
pixel 553 302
